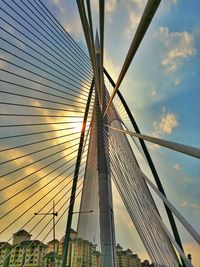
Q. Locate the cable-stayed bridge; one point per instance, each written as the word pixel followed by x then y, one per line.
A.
pixel 67 133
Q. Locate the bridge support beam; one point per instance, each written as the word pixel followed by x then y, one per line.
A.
pixel 106 217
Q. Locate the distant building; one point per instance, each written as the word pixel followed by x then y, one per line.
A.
pixel 82 251
pixel 49 260
pixel 125 258
pixel 5 249
pixel 21 235
pixel 51 246
pixel 28 253
pixel 23 251
pixel 96 259
pixel 145 263
pixel 73 235
pixel 136 261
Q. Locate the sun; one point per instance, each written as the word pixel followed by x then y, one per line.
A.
pixel 77 124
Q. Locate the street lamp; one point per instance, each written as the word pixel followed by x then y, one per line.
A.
pixel 54 213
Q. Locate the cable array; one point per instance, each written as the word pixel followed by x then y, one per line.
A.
pixel 45 80
pixel 136 196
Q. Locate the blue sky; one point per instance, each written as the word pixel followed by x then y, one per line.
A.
pixel 162 90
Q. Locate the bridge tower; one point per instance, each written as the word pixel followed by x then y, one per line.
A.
pixel 106 216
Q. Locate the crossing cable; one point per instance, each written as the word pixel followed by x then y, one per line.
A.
pixel 53 44
pixel 47 26
pixel 38 45
pixel 40 83
pixel 33 205
pixel 122 123
pixel 129 157
pixel 41 61
pixel 59 28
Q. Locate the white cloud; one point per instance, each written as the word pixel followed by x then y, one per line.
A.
pixel 134 8
pixel 168 123
pixel 191 205
pixel 154 93
pixel 109 65
pixel 110 5
pixel 165 125
pixel 179 45
pixel 153 90
pixel 56 2
pixel 177 81
pixel 69 20
pixel 177 167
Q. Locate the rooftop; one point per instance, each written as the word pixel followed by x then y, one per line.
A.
pixel 22 232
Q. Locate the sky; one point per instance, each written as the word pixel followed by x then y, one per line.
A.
pixel 161 88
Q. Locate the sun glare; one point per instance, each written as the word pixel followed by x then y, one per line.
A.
pixel 77 124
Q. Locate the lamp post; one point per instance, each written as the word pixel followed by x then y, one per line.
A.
pixel 54 230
